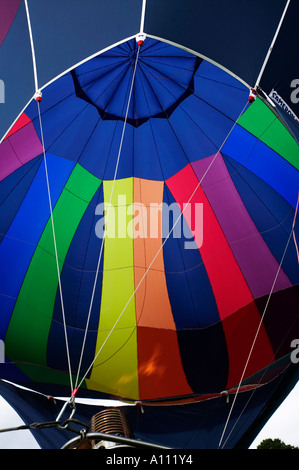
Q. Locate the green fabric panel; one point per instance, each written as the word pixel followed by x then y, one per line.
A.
pixel 27 334
pixel 43 374
pixel 260 121
pixel 115 369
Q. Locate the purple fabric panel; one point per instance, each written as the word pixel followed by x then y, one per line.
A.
pixel 18 149
pixel 8 9
pixel 256 262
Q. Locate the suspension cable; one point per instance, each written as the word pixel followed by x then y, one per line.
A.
pixel 259 326
pixel 106 221
pixel 37 93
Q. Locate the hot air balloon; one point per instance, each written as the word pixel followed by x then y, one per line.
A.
pixel 148 198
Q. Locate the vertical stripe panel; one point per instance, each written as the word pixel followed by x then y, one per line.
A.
pixel 260 121
pixel 262 161
pixel 159 362
pixel 18 149
pixel 233 297
pixel 28 331
pixel 22 237
pixel 258 265
pixel 152 303
pixel 230 289
pixel 115 369
pixel 77 278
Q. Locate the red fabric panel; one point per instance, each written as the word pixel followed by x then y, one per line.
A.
pixel 21 122
pixel 159 364
pixel 229 286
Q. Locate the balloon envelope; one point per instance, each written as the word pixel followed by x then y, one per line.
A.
pixel 147 242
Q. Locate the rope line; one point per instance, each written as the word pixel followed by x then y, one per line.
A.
pixel 55 248
pixel 48 189
pixel 259 327
pixel 258 80
pixel 32 46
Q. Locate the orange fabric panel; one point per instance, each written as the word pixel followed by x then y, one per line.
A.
pixel 152 302
pixel 160 368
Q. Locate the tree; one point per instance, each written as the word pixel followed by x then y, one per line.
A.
pixel 274 444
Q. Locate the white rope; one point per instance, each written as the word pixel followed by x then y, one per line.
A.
pixel 258 329
pixel 162 245
pixel 272 44
pixel 142 16
pixel 32 46
pixel 55 248
pixel 48 189
pixel 106 221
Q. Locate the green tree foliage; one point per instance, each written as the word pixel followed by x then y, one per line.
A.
pixel 274 444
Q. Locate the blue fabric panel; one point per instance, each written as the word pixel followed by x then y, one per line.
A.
pixel 77 280
pixel 164 77
pixel 63 116
pixel 146 157
pixel 77 119
pixel 53 95
pixel 105 75
pixel 200 351
pixel 7 304
pixel 220 90
pixel 10 371
pixel 168 82
pixel 171 155
pixel 271 214
pixel 18 246
pixel 12 192
pixel 209 71
pixel 188 131
pixel 95 156
pixel 257 157
pixel 126 162
pixel 186 273
pixel 199 329
pixel 213 123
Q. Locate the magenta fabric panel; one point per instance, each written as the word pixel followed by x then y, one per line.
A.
pixel 256 261
pixel 18 149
